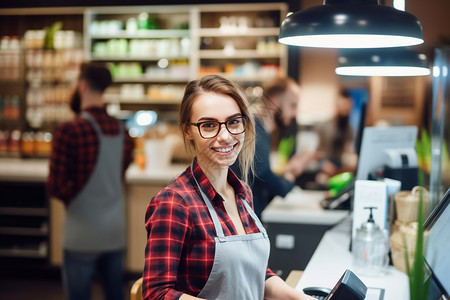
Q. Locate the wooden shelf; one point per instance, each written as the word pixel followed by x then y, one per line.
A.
pixel 144 34
pixel 30 253
pixel 24 231
pixel 247 78
pixel 129 57
pixel 261 32
pixel 237 54
pixel 144 79
pixel 24 211
pixel 141 100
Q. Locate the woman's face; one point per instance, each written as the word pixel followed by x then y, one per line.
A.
pixel 223 149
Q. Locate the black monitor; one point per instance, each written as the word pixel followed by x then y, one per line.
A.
pixel 437 254
pixel 392 147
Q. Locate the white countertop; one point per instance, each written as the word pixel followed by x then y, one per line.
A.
pixel 134 175
pixel 36 170
pixel 28 170
pixel 301 207
pixel 332 257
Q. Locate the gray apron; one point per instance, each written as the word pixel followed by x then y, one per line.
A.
pixel 240 261
pixel 95 219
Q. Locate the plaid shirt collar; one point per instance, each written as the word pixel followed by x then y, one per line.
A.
pixel 208 188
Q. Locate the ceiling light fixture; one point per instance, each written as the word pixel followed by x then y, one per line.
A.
pixel 351 24
pixel 382 62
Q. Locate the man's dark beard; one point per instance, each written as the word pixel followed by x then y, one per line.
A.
pixel 342 122
pixel 75 102
pixel 342 125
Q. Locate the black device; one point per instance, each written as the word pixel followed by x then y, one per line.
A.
pixel 320 293
pixel 343 200
pixel 348 287
pixel 437 259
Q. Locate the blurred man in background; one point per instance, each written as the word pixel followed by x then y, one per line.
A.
pixel 89 157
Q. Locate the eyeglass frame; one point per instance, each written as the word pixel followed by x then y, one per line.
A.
pixel 198 124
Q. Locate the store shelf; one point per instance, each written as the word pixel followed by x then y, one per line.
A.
pixel 144 34
pixel 28 253
pixel 246 32
pixel 24 211
pixel 147 79
pixel 24 231
pixel 128 57
pixel 139 100
pixel 24 219
pixel 247 78
pixel 237 54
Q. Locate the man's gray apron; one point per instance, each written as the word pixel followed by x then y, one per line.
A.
pixel 95 219
pixel 240 261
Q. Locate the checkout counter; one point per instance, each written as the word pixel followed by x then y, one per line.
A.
pixel 332 257
pixel 295 225
pixel 306 237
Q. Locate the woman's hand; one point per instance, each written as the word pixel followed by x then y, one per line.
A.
pixel 277 289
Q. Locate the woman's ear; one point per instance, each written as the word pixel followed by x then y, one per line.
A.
pixel 187 133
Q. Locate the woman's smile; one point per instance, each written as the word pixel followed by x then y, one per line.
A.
pixel 224 149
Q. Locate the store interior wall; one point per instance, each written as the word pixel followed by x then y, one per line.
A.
pixel 320 83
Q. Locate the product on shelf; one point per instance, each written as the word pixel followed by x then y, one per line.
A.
pixel 9 107
pixel 28 144
pixel 10 58
pixel 43 143
pixel 50 76
pixel 10 142
pixel 4 140
pixel 14 143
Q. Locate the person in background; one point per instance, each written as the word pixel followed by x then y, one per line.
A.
pixel 203 239
pixel 89 157
pixel 274 112
pixel 336 139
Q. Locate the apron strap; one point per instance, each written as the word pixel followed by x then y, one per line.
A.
pixel 255 218
pixel 212 211
pixel 94 124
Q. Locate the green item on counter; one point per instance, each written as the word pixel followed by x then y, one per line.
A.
pixel 337 182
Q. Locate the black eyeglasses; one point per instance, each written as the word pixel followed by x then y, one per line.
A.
pixel 210 129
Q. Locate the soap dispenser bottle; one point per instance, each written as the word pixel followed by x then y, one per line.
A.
pixel 370 248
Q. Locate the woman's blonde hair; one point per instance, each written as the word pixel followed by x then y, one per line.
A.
pixel 219 85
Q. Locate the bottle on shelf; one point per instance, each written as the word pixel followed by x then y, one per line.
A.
pixel 14 143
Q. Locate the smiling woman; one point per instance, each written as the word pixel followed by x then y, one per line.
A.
pixel 204 239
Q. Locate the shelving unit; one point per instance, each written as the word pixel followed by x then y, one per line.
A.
pixel 50 78
pixel 148 47
pixel 156 48
pixel 24 220
pixel 240 41
pixel 11 98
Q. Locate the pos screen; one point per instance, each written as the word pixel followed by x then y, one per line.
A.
pixel 437 257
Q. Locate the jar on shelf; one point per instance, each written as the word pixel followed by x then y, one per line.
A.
pixel 28 143
pixel 4 138
pixel 4 43
pixel 14 143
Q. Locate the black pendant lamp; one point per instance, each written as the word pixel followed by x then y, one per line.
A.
pixel 351 24
pixel 382 62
